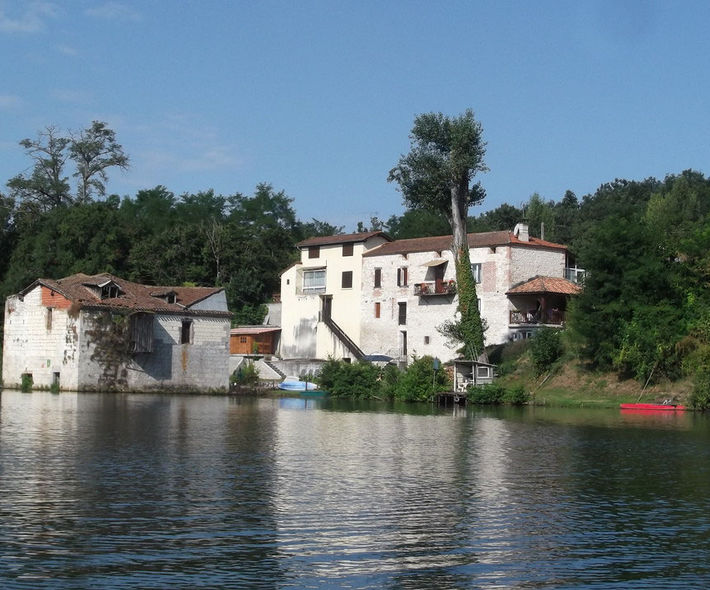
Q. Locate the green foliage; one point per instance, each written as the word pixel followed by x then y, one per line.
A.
pixel 246 374
pixel 357 380
pixel 419 382
pixel 26 383
pixel 545 349
pixel 495 394
pixel 54 387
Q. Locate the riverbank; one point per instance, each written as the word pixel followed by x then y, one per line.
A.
pixel 570 385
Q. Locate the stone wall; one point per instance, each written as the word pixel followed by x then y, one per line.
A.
pixel 37 344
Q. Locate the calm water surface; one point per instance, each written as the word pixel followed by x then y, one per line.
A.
pixel 139 491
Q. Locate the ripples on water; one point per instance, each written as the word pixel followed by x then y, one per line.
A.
pixel 127 491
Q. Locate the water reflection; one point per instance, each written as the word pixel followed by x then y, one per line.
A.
pixel 188 491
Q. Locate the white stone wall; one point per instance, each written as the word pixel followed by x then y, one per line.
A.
pixel 501 267
pixel 30 347
pixel 303 335
pixel 528 262
pixel 202 365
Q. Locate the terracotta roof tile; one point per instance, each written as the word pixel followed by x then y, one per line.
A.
pixel 540 284
pixel 341 239
pixel 85 289
pixel 477 240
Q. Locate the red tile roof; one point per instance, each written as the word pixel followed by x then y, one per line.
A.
pixel 341 239
pixel 538 285
pixel 86 290
pixel 477 240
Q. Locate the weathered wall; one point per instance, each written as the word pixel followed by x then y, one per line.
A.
pixel 33 345
pixel 202 365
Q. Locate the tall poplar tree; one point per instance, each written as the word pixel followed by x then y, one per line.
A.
pixel 437 175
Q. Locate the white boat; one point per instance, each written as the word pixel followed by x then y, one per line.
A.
pixel 295 384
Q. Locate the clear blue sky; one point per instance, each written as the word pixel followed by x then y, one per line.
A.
pixel 318 98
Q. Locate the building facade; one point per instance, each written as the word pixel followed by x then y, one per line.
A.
pixel 321 294
pixel 103 333
pixel 408 291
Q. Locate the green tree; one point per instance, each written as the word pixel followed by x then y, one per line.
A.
pixel 47 186
pixel 437 174
pixel 94 150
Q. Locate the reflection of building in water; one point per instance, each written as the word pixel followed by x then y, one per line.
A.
pixel 367 492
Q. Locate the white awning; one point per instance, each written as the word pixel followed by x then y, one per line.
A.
pixel 436 262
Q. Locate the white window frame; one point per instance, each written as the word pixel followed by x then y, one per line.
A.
pixel 310 284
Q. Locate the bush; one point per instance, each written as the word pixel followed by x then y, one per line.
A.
pixel 419 382
pixel 491 394
pixel 246 374
pixel 26 383
pixel 494 394
pixel 546 348
pixel 516 396
pixel 341 379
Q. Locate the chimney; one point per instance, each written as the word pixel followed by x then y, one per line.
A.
pixel 521 232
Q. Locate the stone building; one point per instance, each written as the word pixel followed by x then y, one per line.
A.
pixel 103 333
pixel 401 291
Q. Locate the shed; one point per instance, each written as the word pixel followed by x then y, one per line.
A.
pixel 254 339
pixel 470 372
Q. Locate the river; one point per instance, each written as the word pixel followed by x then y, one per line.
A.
pixel 164 491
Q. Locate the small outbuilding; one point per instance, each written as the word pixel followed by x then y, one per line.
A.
pixel 470 372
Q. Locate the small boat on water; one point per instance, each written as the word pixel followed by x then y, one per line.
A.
pixel 654 407
pixel 294 384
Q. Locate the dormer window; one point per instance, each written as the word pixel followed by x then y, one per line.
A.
pixel 110 290
pixel 171 298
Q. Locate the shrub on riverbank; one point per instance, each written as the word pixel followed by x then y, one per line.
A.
pixel 496 394
pixel 418 382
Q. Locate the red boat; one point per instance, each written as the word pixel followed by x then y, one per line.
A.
pixel 662 407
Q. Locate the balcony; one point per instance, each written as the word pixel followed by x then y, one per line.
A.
pixel 547 317
pixel 574 274
pixel 435 288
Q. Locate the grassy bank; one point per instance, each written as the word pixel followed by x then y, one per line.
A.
pixel 567 384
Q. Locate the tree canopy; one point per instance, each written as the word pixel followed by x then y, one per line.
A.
pixel 437 175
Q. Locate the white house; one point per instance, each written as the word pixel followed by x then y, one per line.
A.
pixel 407 290
pixel 104 333
pixel 321 297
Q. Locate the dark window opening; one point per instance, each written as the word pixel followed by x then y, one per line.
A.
pixel 378 278
pixel 402 313
pixel 49 318
pixel 185 332
pixel 141 332
pixel 171 298
pixel 377 309
pixel 110 291
pixel 402 276
pixel 313 251
pixel 347 281
pixel 348 249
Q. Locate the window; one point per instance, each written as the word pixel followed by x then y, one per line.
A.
pixel 348 249
pixel 378 278
pixel 426 339
pixel 243 339
pixel 110 290
pixel 402 313
pixel 476 270
pixel 171 298
pixel 313 251
pixel 347 280
pixel 49 318
pixel 402 276
pixel 483 372
pixel 377 309
pixel 186 332
pixel 314 281
pixel 141 332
